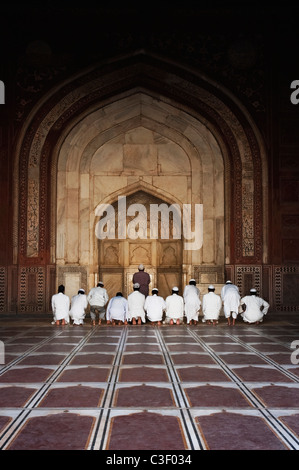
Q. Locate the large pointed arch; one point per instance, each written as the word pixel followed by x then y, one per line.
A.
pixel 208 103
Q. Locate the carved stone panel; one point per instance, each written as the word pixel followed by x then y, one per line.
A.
pixel 140 253
pixel 286 287
pixel 248 277
pixel 33 218
pixel 3 304
pixel 32 288
pixel 169 253
pixel 110 254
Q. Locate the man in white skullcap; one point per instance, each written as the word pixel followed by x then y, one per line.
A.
pixel 117 310
pixel 143 279
pixel 154 307
pixel 97 298
pixel 192 302
pixel 211 306
pixel 174 307
pixel 136 301
pixel 254 307
pixel 231 300
pixel 60 306
pixel 78 306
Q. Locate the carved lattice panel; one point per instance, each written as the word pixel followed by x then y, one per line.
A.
pixel 286 287
pixel 248 277
pixel 3 296
pixel 32 289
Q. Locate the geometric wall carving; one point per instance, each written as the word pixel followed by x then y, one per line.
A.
pixel 248 277
pixel 286 287
pixel 267 283
pixel 32 289
pixel 3 297
pixel 12 285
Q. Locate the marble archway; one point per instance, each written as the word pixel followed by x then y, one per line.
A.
pixel 208 151
pixel 138 154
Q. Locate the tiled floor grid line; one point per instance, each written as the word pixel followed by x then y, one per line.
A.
pixel 277 427
pixel 145 387
pixel 99 434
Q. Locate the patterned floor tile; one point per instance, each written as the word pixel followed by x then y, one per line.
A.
pixel 187 387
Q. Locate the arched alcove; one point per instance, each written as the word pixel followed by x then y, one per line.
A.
pixel 142 143
pixel 91 121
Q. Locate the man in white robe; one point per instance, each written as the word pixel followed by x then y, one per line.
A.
pixel 97 299
pixel 174 307
pixel 154 306
pixel 254 307
pixel 231 300
pixel 211 306
pixel 60 306
pixel 192 302
pixel 136 305
pixel 117 310
pixel 78 306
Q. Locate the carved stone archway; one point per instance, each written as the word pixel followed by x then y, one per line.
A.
pixel 64 139
pixel 145 144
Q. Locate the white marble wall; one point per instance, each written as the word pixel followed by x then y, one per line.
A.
pixel 137 143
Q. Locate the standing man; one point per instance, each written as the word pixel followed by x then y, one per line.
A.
pixel 174 307
pixel 60 306
pixel 231 301
pixel 78 306
pixel 254 307
pixel 136 306
pixel 211 306
pixel 154 306
pixel 97 299
pixel 117 310
pixel 192 302
pixel 143 279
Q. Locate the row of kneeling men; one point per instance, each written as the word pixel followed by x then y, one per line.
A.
pixel 138 308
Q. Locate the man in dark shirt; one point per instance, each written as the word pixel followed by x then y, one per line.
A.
pixel 143 279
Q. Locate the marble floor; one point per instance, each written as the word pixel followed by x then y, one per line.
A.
pixel 143 387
